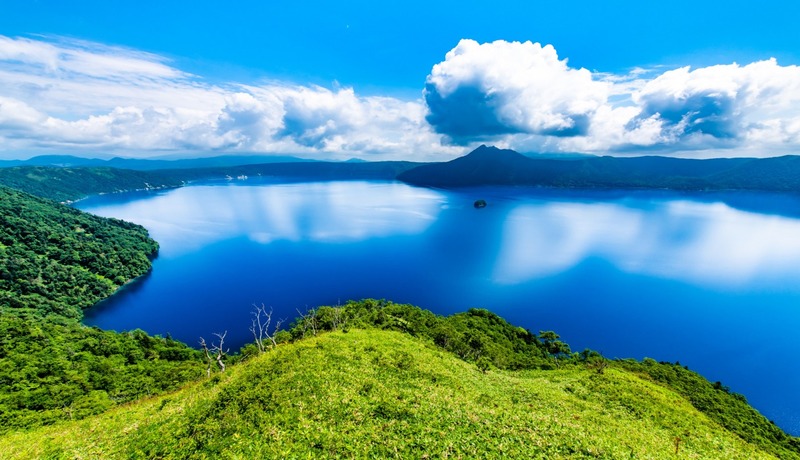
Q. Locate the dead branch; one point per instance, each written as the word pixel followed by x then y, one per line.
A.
pixel 260 327
pixel 215 352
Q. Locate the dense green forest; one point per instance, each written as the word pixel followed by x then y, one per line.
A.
pixel 56 261
pixel 52 370
pixel 70 184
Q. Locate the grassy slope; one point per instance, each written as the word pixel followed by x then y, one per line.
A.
pixel 385 394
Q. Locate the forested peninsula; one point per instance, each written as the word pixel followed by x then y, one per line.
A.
pixel 56 261
pixel 366 379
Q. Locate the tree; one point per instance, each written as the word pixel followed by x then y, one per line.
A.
pixel 308 321
pixel 215 353
pixel 593 360
pixel 553 346
pixel 260 327
pixel 331 318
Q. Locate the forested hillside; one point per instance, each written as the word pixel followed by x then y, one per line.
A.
pixel 484 166
pixel 70 184
pixel 56 261
pixel 67 184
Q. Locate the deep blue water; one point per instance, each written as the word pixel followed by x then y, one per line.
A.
pixel 710 280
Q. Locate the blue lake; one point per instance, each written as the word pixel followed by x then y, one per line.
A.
pixel 710 280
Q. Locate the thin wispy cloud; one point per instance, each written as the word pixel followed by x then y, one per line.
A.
pixel 83 97
pixel 69 56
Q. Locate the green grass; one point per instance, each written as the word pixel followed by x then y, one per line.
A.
pixel 380 394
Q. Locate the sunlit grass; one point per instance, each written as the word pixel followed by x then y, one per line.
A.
pixel 376 394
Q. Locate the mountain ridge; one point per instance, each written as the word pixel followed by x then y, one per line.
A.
pixel 492 166
pixel 149 164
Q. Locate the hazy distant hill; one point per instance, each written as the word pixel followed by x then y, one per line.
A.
pixel 492 166
pixel 151 164
pixel 483 166
pixel 73 183
pixel 315 170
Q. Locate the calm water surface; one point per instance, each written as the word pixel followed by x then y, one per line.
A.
pixel 711 280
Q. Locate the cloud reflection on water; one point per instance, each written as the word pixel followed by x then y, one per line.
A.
pixel 187 219
pixel 676 239
pixel 671 237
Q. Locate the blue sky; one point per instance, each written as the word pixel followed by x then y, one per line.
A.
pixel 359 79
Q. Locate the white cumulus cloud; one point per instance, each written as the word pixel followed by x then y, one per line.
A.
pixel 83 97
pixel 510 87
pixel 724 103
pixel 522 96
pixel 88 97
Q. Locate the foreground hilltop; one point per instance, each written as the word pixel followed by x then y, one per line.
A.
pixel 375 379
pixel 382 394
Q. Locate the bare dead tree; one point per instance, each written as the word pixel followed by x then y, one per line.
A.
pixel 339 317
pixel 215 353
pixel 260 327
pixel 312 314
pixel 336 318
pixel 309 320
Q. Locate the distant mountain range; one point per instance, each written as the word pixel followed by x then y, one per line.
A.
pixel 493 166
pixel 152 164
pixel 68 183
pixel 315 170
pixel 80 177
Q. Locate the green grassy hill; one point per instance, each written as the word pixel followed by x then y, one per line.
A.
pixel 384 394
